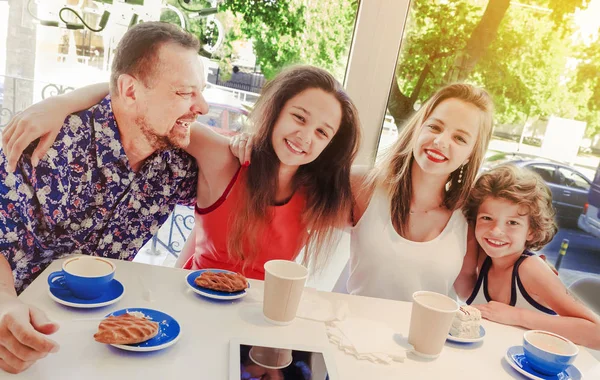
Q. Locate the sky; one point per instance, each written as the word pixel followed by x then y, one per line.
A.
pixel 589 22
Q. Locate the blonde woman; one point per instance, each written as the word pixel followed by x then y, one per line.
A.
pixel 408 231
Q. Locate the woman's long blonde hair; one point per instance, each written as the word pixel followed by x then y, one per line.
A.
pixel 325 182
pixel 394 171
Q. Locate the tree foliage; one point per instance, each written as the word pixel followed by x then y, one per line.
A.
pixel 285 32
pixel 529 70
pixel 523 67
pixel 588 82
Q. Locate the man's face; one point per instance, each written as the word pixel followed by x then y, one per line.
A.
pixel 173 98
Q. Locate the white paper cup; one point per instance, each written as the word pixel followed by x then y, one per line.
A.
pixel 430 322
pixel 284 283
pixel 272 358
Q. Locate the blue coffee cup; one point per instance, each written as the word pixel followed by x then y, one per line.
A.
pixel 548 353
pixel 86 277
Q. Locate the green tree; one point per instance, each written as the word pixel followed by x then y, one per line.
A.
pixel 472 45
pixel 435 32
pixel 588 81
pixel 285 32
pixel 273 27
pixel 524 68
pixel 201 27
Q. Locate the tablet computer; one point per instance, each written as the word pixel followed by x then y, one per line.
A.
pixel 256 359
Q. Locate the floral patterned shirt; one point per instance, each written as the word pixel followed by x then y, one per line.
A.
pixel 84 197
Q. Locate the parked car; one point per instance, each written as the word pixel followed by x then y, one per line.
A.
pixel 569 187
pixel 589 220
pixel 225 119
pixel 226 114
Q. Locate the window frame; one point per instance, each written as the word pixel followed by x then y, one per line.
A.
pixel 372 65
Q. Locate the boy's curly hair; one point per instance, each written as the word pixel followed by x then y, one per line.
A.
pixel 523 187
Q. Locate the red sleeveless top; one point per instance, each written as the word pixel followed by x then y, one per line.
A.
pixel 282 238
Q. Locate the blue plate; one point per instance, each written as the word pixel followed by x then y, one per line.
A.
pixel 516 358
pixel 456 339
pixel 64 296
pixel 168 330
pixel 189 279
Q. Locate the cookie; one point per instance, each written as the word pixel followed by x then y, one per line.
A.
pixel 223 282
pixel 125 329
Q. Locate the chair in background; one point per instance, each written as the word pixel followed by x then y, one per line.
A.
pixel 587 289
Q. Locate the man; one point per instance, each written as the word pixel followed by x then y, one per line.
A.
pixel 109 181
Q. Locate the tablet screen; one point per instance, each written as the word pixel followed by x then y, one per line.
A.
pixel 270 363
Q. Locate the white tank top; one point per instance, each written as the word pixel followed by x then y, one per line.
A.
pixel 383 264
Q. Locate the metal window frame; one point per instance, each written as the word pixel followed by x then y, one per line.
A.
pixel 371 66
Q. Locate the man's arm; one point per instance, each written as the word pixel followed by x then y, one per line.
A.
pixel 24 216
pixel 44 120
pixel 23 328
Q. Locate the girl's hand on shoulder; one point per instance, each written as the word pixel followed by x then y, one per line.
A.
pixel 41 120
pixel 241 147
pixel 499 312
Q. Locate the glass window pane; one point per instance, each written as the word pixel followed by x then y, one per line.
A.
pixel 244 43
pixel 539 62
pixel 571 179
pixel 545 171
pixel 50 50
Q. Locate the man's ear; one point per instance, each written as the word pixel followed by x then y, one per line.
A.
pixel 127 87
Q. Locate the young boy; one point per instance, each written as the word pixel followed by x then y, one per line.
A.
pixel 512 211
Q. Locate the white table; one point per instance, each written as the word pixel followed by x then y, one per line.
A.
pixel 207 327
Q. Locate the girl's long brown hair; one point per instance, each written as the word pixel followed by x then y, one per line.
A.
pixel 394 171
pixel 325 182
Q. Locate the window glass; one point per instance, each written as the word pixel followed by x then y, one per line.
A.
pixel 539 60
pixel 571 179
pixel 545 171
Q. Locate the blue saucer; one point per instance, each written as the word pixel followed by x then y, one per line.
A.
pixel 516 358
pixel 168 330
pixel 215 294
pixel 65 297
pixel 456 339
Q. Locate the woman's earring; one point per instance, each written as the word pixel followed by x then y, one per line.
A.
pixel 460 174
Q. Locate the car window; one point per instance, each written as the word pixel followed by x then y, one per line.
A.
pixel 571 179
pixel 545 171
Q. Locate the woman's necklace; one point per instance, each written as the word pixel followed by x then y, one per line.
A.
pixel 413 211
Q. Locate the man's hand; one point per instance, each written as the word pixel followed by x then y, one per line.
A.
pixel 241 147
pixel 23 331
pixel 42 120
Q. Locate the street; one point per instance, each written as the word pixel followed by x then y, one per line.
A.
pixel 582 255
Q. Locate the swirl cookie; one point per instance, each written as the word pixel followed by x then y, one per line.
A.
pixel 223 282
pixel 125 329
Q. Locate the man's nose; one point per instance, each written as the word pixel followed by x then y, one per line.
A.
pixel 200 106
